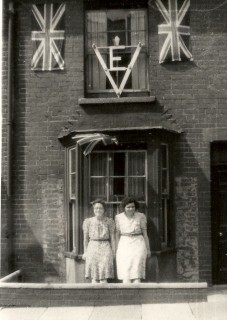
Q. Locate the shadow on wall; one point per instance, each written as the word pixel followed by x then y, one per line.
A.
pixel 27 252
pixel 5 235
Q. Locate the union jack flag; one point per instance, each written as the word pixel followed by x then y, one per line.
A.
pixel 173 35
pixel 48 36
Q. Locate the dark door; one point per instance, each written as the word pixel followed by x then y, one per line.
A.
pixel 219 213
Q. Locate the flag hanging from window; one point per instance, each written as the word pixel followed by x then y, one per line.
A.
pixel 92 139
pixel 174 34
pixel 48 36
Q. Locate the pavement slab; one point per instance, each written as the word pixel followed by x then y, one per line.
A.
pixel 21 313
pixel 166 311
pixel 217 297
pixel 66 313
pixel 216 310
pixel 128 312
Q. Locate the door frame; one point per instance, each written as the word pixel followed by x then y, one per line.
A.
pixel 216 164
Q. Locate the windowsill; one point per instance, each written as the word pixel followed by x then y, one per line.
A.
pixel 72 255
pixel 98 101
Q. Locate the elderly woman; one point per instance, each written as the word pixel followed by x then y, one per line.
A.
pixel 133 244
pixel 99 244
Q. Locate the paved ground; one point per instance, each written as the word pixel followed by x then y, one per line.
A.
pixel 214 309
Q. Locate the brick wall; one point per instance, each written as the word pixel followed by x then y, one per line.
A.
pixel 44 102
pixel 195 92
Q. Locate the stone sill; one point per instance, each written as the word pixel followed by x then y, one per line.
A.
pixel 72 255
pixel 103 101
pixel 57 286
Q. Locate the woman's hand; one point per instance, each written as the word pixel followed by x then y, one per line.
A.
pixel 84 256
pixel 148 253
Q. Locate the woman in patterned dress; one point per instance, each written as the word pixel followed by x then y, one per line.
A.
pixel 133 243
pixel 99 245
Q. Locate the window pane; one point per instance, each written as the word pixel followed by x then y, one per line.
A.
pixel 97 27
pixel 139 79
pixel 165 169
pixel 136 188
pixel 72 185
pixel 117 189
pixel 117 164
pixel 164 181
pixel 138 36
pixel 98 164
pixel 136 163
pixel 113 209
pixel 96 79
pixel 138 20
pixel 164 220
pixel 98 188
pixel 116 20
pixel 70 226
pixel 164 156
pixel 72 155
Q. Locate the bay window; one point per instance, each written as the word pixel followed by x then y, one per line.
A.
pixel 134 169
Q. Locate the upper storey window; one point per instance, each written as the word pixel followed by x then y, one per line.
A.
pixel 125 29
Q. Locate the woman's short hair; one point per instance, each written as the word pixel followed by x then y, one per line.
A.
pixel 128 200
pixel 101 201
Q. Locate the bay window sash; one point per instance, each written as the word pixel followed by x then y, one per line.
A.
pixel 72 191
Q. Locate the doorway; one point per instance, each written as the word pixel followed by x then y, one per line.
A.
pixel 219 211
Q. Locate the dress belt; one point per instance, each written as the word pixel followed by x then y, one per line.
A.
pixel 99 239
pixel 131 234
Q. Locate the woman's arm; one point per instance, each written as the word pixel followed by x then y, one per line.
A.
pixel 117 238
pixel 112 243
pixel 144 231
pixel 86 240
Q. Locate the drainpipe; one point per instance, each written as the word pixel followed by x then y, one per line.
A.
pixel 9 137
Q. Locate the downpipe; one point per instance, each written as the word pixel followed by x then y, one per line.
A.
pixel 9 138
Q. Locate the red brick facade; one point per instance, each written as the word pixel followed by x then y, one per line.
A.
pixel 195 94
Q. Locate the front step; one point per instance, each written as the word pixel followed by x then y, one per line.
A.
pixel 50 295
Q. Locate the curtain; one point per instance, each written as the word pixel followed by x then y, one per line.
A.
pixel 136 173
pixel 138 34
pixel 98 163
pixel 97 34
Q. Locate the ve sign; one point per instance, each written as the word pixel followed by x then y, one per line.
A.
pixel 113 63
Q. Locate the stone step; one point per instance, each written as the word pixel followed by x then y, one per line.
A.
pixel 50 295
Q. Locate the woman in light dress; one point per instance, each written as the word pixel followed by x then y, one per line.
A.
pixel 99 245
pixel 133 244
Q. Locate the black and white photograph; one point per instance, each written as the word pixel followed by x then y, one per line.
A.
pixel 113 152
